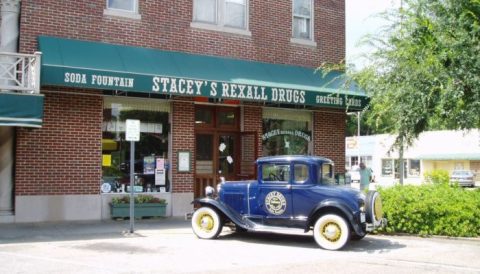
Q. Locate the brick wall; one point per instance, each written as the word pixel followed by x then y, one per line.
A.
pixel 183 135
pixel 329 137
pixel 62 157
pixel 166 25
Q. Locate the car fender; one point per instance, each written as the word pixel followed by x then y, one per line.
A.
pixel 336 205
pixel 225 210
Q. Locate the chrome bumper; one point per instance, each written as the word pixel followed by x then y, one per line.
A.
pixel 371 227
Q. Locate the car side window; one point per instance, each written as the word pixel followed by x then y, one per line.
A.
pixel 300 173
pixel 276 172
pixel 326 175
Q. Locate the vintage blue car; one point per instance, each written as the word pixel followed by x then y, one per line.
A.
pixel 291 193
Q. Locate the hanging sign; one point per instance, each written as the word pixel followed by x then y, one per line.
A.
pixel 132 130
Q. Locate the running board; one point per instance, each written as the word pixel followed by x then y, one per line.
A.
pixel 276 229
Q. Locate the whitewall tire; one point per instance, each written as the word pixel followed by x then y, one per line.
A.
pixel 206 223
pixel 331 232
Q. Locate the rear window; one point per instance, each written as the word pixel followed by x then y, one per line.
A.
pixel 461 172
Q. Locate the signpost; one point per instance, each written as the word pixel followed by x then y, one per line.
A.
pixel 132 134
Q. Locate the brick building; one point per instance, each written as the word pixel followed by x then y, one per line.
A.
pixel 215 84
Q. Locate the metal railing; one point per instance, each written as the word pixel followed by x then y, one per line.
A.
pixel 20 72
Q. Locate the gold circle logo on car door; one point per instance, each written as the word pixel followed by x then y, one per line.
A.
pixel 275 203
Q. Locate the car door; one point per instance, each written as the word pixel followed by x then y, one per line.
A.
pixel 274 200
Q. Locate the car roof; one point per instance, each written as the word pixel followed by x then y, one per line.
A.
pixel 290 158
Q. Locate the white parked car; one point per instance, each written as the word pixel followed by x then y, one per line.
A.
pixel 463 178
pixel 355 174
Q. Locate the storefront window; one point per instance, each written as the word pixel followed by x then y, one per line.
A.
pixel 387 167
pixel 414 168
pixel 151 165
pixel 286 132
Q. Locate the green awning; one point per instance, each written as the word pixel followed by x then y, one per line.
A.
pixel 23 110
pixel 86 64
pixel 450 156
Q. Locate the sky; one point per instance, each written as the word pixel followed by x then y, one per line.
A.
pixel 361 19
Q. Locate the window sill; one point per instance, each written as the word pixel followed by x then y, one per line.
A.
pixel 211 27
pixel 125 14
pixel 303 42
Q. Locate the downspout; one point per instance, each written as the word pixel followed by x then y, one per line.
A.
pixel 9 32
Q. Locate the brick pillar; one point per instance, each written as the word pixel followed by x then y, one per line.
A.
pixel 252 121
pixel 183 139
pixel 329 137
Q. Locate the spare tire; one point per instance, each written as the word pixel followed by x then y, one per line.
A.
pixel 373 207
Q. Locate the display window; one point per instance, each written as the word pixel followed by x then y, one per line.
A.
pixel 151 164
pixel 286 132
pixel 391 167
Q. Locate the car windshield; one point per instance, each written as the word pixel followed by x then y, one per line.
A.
pixel 461 173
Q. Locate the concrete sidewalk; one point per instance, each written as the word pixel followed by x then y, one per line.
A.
pixel 82 230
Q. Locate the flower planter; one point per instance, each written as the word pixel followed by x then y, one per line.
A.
pixel 140 210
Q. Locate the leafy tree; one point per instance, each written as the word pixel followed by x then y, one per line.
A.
pixel 425 70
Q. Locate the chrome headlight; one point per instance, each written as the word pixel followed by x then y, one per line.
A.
pixel 209 191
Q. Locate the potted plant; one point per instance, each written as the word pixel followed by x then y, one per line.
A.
pixel 145 206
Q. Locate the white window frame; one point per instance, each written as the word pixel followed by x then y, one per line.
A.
pixel 132 14
pixel 304 41
pixel 219 24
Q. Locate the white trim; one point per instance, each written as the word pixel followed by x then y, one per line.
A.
pixel 212 27
pixel 121 13
pixel 20 119
pixel 303 42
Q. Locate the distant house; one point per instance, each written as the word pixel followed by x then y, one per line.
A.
pixel 447 150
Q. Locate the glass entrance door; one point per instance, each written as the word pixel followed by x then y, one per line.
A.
pixel 226 159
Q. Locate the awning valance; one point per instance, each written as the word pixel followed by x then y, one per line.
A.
pixel 86 64
pixel 23 110
pixel 450 156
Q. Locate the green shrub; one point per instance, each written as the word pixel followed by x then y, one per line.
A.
pixel 437 177
pixel 139 199
pixel 432 209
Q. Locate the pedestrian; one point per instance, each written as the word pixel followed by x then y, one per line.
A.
pixel 366 176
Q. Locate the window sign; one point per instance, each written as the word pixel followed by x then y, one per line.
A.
pixel 183 161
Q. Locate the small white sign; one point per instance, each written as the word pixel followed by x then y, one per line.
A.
pixel 132 130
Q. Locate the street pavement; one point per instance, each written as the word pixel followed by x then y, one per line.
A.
pixel 169 246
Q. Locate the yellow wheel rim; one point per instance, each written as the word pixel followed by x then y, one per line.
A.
pixel 331 231
pixel 205 222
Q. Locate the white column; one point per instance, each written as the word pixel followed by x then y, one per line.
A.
pixel 6 170
pixel 9 31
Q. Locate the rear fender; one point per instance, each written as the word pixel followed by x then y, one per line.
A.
pixel 335 206
pixel 225 210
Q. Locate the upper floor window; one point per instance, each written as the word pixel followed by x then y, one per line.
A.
pixel 223 13
pixel 124 8
pixel 303 19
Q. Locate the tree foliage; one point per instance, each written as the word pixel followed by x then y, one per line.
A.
pixel 425 70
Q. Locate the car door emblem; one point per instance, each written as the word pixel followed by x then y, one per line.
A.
pixel 275 203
